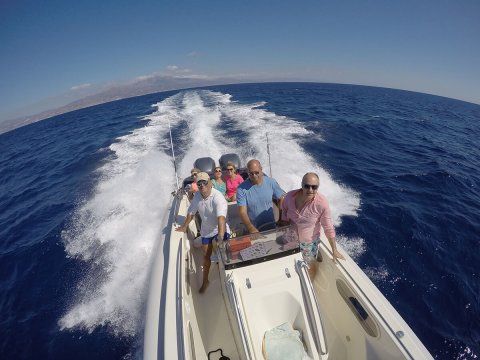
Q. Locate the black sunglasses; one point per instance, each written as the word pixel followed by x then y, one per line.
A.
pixel 251 173
pixel 230 169
pixel 308 186
pixel 202 182
pixel 218 170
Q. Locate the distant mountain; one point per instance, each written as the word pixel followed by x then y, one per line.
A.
pixel 141 86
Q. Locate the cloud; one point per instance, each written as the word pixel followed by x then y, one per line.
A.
pixel 192 76
pixel 170 70
pixel 174 70
pixel 79 87
pixel 144 77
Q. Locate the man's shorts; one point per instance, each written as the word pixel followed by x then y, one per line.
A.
pixel 309 250
pixel 208 240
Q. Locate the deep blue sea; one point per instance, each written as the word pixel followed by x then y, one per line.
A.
pixel 83 195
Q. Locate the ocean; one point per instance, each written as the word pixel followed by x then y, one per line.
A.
pixel 83 195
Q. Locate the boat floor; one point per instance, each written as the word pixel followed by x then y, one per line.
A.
pixel 213 321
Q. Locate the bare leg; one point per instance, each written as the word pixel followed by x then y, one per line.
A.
pixel 312 271
pixel 207 251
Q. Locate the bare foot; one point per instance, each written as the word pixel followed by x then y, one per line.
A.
pixel 204 287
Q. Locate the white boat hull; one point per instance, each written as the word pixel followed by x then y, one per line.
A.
pixel 183 324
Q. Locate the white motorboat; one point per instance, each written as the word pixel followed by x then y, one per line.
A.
pixel 260 288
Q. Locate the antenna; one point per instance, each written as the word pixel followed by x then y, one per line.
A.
pixel 173 154
pixel 268 152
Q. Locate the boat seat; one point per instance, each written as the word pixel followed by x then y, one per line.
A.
pixel 234 221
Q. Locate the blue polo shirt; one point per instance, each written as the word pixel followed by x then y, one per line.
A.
pixel 258 199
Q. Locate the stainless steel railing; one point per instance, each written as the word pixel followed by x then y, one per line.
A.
pixel 313 307
pixel 239 316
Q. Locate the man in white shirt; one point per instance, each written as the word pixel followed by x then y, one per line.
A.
pixel 212 208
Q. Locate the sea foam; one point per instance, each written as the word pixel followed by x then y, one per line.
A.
pixel 115 231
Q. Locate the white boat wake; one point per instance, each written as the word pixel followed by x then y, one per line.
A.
pixel 116 229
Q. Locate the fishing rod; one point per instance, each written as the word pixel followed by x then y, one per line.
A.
pixel 173 154
pixel 268 152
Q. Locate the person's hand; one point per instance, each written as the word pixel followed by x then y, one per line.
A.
pixel 252 230
pixel 182 228
pixel 337 255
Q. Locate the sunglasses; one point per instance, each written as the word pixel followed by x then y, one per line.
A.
pixel 252 173
pixel 218 170
pixel 230 169
pixel 194 174
pixel 308 186
pixel 202 183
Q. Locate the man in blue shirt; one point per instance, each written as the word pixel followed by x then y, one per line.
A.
pixel 254 198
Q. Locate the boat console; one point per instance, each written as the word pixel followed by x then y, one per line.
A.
pixel 267 286
pixel 256 248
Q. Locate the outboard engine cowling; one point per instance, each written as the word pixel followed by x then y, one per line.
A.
pixel 229 157
pixel 206 164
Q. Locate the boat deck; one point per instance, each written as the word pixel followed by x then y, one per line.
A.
pixel 213 323
pixel 245 302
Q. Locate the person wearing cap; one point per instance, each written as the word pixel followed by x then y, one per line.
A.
pixel 212 208
pixel 254 198
pixel 309 211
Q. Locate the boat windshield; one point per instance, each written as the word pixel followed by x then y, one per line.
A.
pixel 254 248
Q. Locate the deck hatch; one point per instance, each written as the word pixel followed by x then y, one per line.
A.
pixel 361 314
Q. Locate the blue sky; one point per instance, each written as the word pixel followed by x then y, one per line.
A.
pixel 54 51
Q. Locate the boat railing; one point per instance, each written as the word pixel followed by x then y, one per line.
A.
pixel 177 194
pixel 240 318
pixel 313 308
pixel 179 303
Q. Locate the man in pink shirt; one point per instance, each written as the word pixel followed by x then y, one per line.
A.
pixel 309 211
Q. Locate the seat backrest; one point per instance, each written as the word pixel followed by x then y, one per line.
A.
pixel 224 159
pixel 234 221
pixel 206 164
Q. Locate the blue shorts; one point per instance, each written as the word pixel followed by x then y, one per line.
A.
pixel 208 240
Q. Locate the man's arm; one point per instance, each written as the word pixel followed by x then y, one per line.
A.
pixel 184 227
pixel 280 207
pixel 335 252
pixel 246 220
pixel 283 219
pixel 329 229
pixel 221 229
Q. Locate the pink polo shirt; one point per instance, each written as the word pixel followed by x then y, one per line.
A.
pixel 232 185
pixel 310 218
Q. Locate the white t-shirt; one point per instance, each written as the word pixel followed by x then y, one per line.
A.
pixel 209 210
